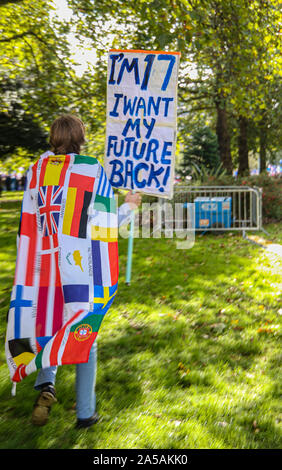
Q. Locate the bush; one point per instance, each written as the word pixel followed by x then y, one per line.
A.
pixel 271 195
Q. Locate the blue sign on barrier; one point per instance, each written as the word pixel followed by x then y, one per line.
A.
pixel 213 211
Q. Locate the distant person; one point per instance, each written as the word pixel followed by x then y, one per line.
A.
pixel 8 183
pixel 13 183
pixel 60 188
pixel 23 179
pixel 16 183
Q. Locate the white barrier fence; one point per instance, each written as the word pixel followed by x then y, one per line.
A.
pixel 216 208
pixel 198 208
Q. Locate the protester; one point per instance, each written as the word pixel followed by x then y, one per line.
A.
pixel 66 138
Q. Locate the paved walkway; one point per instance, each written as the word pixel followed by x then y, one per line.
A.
pixel 275 248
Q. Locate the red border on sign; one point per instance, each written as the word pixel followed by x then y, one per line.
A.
pixel 144 52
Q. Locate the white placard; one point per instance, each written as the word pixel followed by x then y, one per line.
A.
pixel 141 120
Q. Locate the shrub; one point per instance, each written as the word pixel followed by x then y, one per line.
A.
pixel 271 195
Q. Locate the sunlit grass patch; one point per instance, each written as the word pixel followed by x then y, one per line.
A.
pixel 188 356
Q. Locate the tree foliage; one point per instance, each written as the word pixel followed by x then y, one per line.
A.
pixel 18 129
pixel 229 73
pixel 200 150
pixel 233 46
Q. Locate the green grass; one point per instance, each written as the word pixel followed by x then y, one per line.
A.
pixel 188 356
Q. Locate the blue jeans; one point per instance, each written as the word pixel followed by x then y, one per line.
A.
pixel 85 383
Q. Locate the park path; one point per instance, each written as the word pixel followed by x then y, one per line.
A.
pixel 268 246
pixel 274 248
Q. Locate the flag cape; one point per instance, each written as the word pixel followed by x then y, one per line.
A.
pixel 66 273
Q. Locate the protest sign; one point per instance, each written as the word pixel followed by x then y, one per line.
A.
pixel 141 120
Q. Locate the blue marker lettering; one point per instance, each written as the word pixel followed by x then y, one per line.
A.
pixel 129 67
pixel 114 111
pixel 133 125
pixel 167 101
pixel 153 145
pixel 111 138
pixel 165 153
pixel 139 155
pixel 167 173
pixel 116 171
pixel 171 58
pixel 150 127
pixel 153 175
pixel 114 58
pixel 116 153
pixel 128 173
pixel 141 105
pixel 149 59
pixel 129 140
pixel 140 166
pixel 156 106
pixel 127 106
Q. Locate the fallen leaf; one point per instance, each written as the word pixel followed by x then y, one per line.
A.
pixel 269 329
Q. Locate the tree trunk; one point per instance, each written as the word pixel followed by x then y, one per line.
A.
pixel 223 137
pixel 262 149
pixel 243 147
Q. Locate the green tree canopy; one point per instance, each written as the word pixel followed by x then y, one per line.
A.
pixel 229 73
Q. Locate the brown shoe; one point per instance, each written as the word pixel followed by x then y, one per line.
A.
pixel 43 405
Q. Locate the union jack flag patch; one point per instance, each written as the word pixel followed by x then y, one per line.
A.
pixel 49 203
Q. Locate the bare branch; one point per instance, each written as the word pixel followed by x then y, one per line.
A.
pixel 16 36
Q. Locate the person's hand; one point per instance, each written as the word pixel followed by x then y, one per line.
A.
pixel 133 199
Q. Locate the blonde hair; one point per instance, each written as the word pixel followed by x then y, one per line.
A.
pixel 67 134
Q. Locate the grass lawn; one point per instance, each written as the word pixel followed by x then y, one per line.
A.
pixel 188 356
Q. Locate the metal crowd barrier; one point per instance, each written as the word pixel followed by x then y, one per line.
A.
pixel 216 208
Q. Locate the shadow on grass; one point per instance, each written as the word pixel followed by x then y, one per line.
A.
pixel 140 355
pixel 120 391
pixel 123 377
